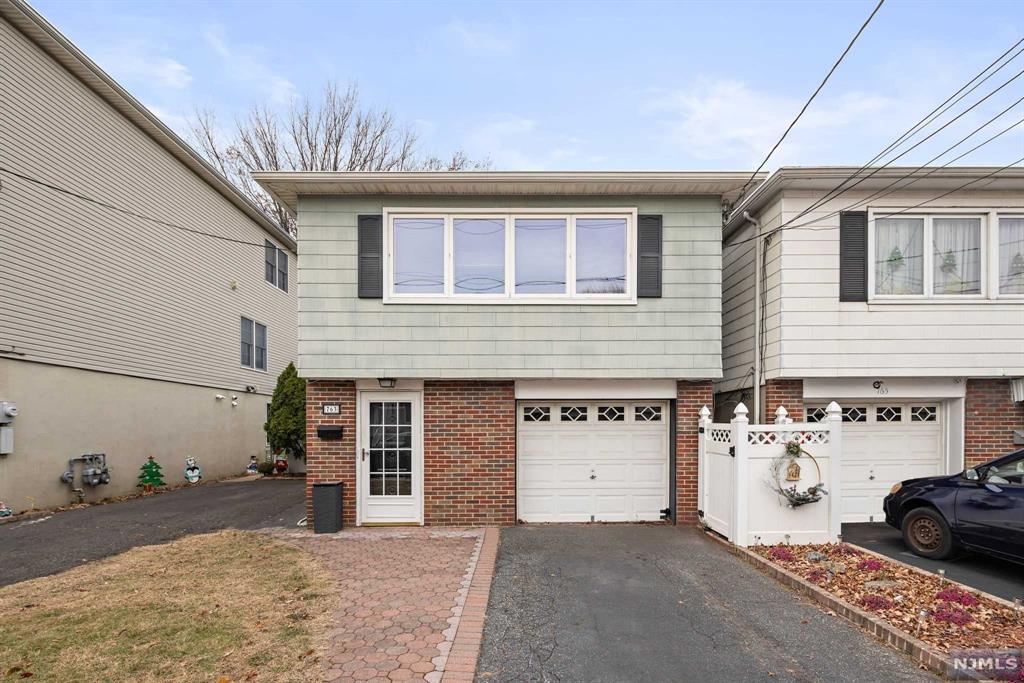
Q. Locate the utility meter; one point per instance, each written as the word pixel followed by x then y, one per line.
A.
pixel 8 411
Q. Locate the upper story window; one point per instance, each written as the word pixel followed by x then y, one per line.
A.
pixel 500 257
pixel 947 257
pixel 254 345
pixel 275 265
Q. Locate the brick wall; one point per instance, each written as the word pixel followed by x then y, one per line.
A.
pixel 332 460
pixel 690 398
pixel 469 445
pixel 782 392
pixel 990 415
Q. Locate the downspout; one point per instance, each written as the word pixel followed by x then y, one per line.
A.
pixel 757 316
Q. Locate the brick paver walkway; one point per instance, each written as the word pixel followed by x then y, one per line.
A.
pixel 403 593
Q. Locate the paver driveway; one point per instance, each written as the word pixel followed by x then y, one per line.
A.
pixel 401 596
pixel 623 603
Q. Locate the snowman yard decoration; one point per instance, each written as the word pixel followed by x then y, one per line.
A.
pixel 193 473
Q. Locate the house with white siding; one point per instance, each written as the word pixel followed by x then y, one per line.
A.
pixel 898 293
pixel 147 306
pixel 488 347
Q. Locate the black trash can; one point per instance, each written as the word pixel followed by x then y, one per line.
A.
pixel 327 499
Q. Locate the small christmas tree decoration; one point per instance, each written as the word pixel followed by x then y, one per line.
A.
pixel 948 263
pixel 150 475
pixel 895 259
pixel 1017 265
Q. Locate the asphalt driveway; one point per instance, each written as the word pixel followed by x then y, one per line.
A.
pixel 988 574
pixel 659 603
pixel 49 544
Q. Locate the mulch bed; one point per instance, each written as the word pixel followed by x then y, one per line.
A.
pixel 943 614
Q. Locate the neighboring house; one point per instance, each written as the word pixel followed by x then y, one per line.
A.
pixel 118 334
pixel 493 347
pixel 903 301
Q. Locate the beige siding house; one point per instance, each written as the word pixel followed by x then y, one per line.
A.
pixel 118 333
pixel 902 298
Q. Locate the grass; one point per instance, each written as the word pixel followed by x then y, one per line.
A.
pixel 226 606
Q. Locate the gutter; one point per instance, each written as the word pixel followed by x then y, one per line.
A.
pixel 757 315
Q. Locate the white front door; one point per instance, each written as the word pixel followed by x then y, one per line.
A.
pixel 390 458
pixel 885 443
pixel 592 461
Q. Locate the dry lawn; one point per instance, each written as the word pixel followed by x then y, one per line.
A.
pixel 226 606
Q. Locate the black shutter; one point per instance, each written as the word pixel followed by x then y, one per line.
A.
pixel 371 257
pixel 648 242
pixel 853 256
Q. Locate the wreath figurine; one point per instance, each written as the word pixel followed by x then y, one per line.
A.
pixel 786 464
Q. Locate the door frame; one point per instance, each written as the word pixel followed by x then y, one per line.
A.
pixel 363 398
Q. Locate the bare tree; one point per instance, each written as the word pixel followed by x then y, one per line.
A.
pixel 333 133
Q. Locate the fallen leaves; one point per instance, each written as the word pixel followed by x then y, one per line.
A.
pixel 921 604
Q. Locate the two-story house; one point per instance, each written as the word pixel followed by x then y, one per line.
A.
pixel 492 347
pixel 898 293
pixel 146 307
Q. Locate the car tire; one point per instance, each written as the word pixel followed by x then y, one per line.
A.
pixel 927 534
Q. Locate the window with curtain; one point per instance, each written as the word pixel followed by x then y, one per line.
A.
pixel 479 258
pixel 1011 255
pixel 899 256
pixel 956 256
pixel 419 256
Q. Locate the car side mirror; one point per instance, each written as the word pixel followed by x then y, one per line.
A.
pixel 971 475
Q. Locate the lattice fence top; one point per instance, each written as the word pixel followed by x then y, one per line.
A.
pixel 803 437
pixel 721 435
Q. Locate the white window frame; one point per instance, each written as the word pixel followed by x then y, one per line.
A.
pixel 509 215
pixel 988 254
pixel 994 239
pixel 266 327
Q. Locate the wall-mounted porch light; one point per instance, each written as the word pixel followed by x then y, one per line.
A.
pixel 387 382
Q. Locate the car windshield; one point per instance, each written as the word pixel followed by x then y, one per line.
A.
pixel 1009 472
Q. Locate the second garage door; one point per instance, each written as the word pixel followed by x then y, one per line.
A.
pixel 884 444
pixel 592 461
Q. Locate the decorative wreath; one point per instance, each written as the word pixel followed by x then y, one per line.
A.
pixel 794 498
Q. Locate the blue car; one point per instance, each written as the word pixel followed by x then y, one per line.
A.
pixel 980 509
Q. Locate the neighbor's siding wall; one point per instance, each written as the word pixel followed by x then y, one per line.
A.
pixel 66 412
pixel 88 287
pixel 677 336
pixel 822 337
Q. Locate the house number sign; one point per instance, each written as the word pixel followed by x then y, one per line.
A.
pixel 332 408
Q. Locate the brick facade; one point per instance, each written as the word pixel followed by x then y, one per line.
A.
pixel 690 398
pixel 469 445
pixel 332 460
pixel 782 392
pixel 990 416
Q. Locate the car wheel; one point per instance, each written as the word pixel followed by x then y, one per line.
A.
pixel 927 534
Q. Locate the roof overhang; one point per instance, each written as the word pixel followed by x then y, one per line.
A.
pixel 55 44
pixel 287 186
pixel 825 178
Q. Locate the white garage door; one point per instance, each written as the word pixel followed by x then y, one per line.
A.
pixel 884 444
pixel 592 461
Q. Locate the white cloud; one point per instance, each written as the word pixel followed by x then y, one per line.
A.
pixel 245 64
pixel 731 123
pixel 480 39
pixel 134 61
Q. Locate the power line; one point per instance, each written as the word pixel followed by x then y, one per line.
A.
pixel 938 111
pixel 813 95
pixel 127 212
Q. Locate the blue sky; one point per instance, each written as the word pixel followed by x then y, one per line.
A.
pixel 576 85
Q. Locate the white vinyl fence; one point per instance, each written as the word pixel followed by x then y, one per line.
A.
pixel 737 497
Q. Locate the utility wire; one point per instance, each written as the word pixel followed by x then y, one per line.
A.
pixel 127 212
pixel 813 95
pixel 939 110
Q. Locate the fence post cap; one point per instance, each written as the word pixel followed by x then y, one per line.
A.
pixel 705 413
pixel 740 412
pixel 834 411
pixel 780 415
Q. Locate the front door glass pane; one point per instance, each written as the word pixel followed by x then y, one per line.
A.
pixel 390 448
